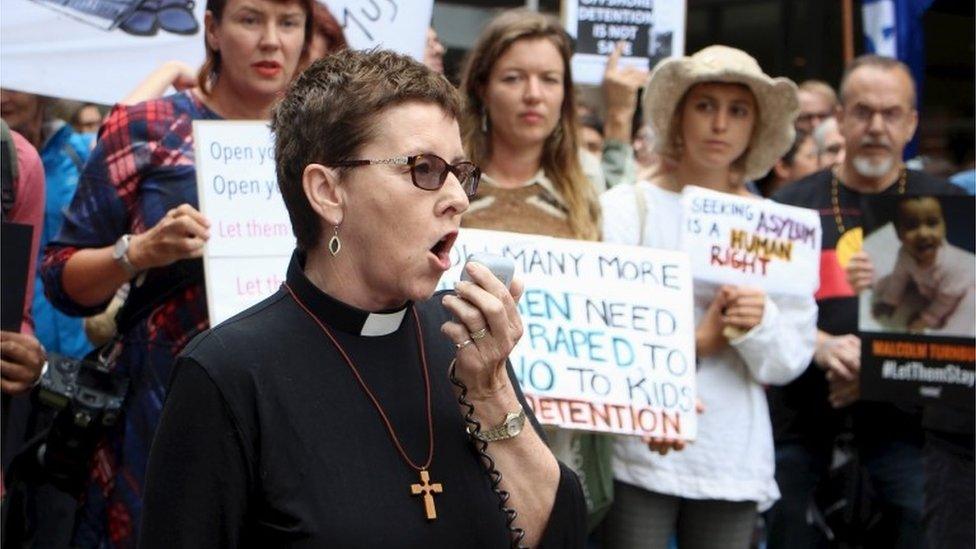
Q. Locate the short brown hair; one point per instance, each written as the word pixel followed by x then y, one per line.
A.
pixel 878 62
pixel 560 153
pixel 329 114
pixel 210 69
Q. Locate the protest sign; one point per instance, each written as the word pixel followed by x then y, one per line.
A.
pixel 250 234
pixel 650 29
pixel 399 25
pixel 609 329
pixel 749 242
pixel 94 50
pixel 609 332
pixel 918 320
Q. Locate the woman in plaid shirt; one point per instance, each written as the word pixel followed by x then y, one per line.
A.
pixel 135 218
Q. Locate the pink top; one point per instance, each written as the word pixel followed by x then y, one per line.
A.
pixel 943 284
pixel 28 209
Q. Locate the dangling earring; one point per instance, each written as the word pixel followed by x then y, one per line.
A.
pixel 335 245
pixel 484 120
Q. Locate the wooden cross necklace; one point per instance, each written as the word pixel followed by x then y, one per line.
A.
pixel 425 487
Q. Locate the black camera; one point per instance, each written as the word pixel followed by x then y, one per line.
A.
pixel 87 397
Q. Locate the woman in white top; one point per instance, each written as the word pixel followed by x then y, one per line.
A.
pixel 722 122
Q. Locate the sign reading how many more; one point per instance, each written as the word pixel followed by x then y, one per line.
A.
pixel 651 30
pixel 609 332
pixel 250 234
pixel 749 242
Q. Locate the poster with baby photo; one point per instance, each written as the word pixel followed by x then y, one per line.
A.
pixel 918 319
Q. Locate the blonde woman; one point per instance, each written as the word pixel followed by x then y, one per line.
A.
pixel 721 121
pixel 519 123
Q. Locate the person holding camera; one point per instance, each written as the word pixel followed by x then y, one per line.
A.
pixel 134 219
pixel 326 415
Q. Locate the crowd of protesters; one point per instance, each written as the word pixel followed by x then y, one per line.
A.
pixel 788 455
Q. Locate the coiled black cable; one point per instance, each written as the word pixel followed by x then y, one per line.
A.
pixel 494 476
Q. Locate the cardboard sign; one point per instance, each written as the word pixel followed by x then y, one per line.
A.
pixel 91 50
pixel 651 30
pixel 250 234
pixel 918 320
pixel 609 332
pixel 748 242
pixel 399 25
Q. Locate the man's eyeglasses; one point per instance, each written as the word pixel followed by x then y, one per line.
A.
pixel 864 114
pixel 428 171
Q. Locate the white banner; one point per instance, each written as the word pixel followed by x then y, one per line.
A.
pixel 609 332
pixel 652 30
pixel 750 242
pixel 90 50
pixel 250 234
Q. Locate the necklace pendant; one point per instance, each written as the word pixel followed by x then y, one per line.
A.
pixel 427 489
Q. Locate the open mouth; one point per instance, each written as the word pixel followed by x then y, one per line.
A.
pixel 442 249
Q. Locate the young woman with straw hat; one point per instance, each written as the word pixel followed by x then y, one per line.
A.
pixel 721 122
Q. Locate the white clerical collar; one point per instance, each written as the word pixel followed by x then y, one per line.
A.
pixel 381 324
pixel 337 314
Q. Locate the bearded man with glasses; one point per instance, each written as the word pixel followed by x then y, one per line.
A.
pixel 877 118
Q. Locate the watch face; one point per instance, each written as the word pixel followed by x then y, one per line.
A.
pixel 512 428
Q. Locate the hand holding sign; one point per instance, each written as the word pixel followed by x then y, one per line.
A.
pixel 180 234
pixel 744 307
pixel 840 355
pixel 620 86
pixel 860 272
pixel 709 338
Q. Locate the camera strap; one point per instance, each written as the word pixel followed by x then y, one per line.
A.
pixel 156 288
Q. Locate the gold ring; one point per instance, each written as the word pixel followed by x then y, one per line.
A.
pixel 480 334
pixel 463 344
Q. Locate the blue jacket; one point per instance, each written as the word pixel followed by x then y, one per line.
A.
pixel 63 154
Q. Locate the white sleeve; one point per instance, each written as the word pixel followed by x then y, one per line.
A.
pixel 621 222
pixel 781 346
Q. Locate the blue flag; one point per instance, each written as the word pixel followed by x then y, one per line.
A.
pixel 893 28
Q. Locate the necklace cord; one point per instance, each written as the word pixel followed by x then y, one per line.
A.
pixel 835 197
pixel 481 446
pixel 376 403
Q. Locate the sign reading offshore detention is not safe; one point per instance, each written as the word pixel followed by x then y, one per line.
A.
pixel 650 30
pixel 609 332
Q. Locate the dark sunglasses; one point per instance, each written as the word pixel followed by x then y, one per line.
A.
pixel 428 171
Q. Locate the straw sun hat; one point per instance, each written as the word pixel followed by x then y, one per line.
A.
pixel 775 97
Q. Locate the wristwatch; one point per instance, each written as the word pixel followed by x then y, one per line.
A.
pixel 120 253
pixel 510 427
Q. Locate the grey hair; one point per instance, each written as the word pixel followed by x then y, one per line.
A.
pixel 821 131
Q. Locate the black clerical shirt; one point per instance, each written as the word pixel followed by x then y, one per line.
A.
pixel 267 440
